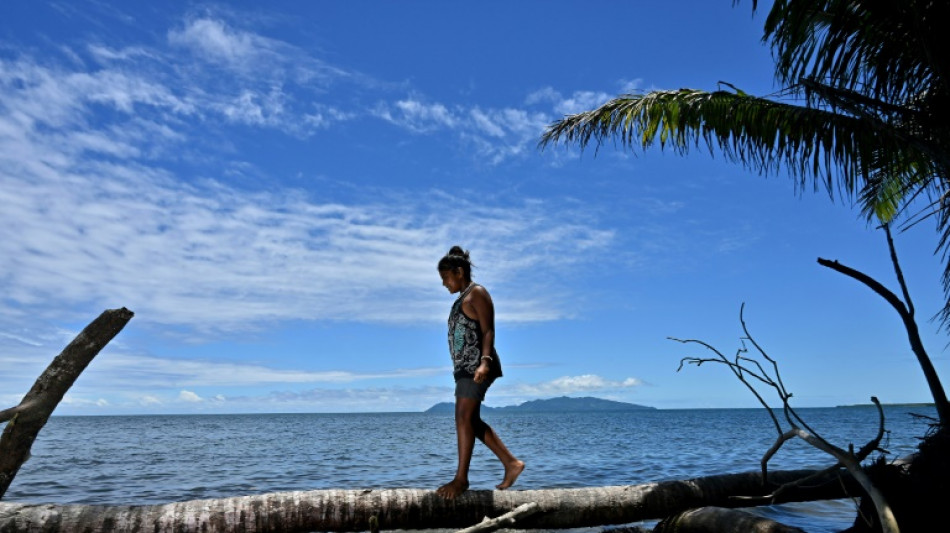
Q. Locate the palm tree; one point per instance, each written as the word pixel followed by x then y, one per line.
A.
pixel 864 113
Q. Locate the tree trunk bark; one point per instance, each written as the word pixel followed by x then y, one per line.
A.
pixel 357 510
pixel 25 421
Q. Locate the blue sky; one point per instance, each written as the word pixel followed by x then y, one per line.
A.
pixel 269 186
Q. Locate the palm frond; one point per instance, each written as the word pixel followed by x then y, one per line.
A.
pixel 832 149
pixel 891 50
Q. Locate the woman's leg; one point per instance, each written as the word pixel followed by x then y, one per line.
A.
pixel 513 466
pixel 484 433
pixel 466 411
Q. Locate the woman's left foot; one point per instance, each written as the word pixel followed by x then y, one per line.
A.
pixel 512 471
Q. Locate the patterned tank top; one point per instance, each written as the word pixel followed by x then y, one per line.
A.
pixel 465 342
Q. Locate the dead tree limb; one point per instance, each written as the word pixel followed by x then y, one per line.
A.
pixel 25 420
pixel 750 372
pixel 506 520
pixel 905 309
pixel 356 510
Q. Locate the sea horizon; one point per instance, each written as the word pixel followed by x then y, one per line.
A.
pixel 142 459
pixel 502 410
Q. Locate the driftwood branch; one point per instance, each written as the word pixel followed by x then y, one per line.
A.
pixel 356 510
pixel 740 367
pixel 506 520
pixel 25 421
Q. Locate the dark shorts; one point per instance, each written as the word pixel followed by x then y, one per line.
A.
pixel 467 388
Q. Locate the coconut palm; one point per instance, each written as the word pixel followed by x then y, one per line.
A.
pixel 864 112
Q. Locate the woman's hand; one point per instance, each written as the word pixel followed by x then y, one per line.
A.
pixel 481 373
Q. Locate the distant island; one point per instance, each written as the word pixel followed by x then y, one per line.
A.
pixel 551 405
pixel 908 405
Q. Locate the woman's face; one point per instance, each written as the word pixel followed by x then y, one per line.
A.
pixel 453 280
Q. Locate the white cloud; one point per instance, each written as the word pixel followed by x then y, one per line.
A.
pixel 95 217
pixel 215 41
pixel 106 54
pixel 257 60
pixel 587 383
pixel 162 378
pixel 495 134
pixel 362 399
pixel 149 401
pixel 156 373
pixel 73 401
pixel 569 105
pixel 324 116
pixel 581 101
pixel 188 396
pixel 486 123
pixel 217 258
pixel 262 82
pixel 417 116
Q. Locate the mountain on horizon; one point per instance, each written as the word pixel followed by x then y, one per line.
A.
pixel 560 404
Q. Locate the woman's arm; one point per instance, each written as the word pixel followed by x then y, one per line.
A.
pixel 483 310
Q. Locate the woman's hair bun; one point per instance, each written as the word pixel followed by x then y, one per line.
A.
pixel 457 258
pixel 457 250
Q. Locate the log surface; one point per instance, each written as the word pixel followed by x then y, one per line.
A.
pixel 352 510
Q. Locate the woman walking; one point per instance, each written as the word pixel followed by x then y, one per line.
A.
pixel 475 367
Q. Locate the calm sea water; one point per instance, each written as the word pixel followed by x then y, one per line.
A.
pixel 160 459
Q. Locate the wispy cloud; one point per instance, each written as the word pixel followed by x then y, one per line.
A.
pixel 570 104
pixel 567 385
pixel 216 42
pixel 216 72
pixel 497 134
pixel 93 217
pixel 346 398
pixel 156 373
pixel 99 213
pixel 216 257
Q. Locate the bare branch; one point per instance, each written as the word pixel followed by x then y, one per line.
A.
pixel 733 367
pixel 744 366
pixel 506 520
pixel 910 325
pixel 871 283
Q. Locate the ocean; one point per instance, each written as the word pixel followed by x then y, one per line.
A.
pixel 161 459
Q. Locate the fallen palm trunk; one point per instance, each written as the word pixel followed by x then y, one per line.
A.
pixel 719 520
pixel 357 510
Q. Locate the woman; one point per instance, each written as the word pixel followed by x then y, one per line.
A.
pixel 475 367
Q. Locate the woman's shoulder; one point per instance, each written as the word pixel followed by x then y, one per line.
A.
pixel 479 291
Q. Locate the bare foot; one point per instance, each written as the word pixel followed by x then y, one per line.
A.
pixel 512 471
pixel 453 488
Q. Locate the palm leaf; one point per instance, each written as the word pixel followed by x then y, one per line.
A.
pixel 825 147
pixel 893 50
